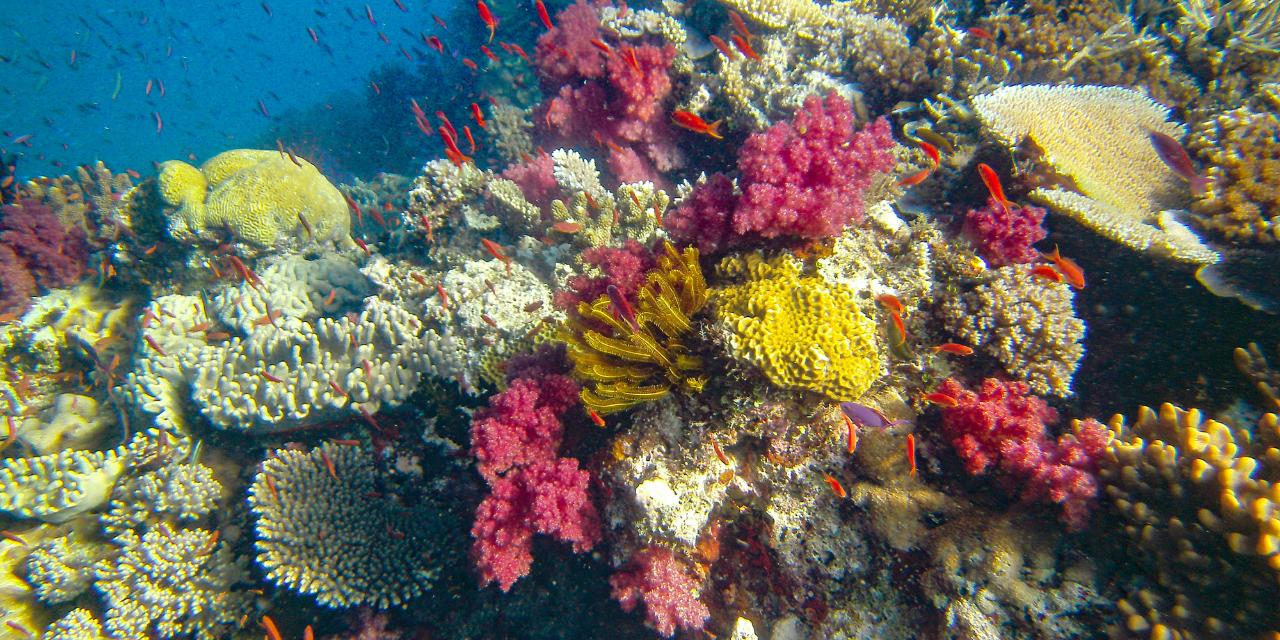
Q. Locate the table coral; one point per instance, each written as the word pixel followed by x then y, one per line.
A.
pixel 1001 426
pixel 173 583
pixel 1241 149
pixel 664 584
pixel 1200 500
pixel 1027 323
pixel 259 197
pixel 319 532
pixel 1123 186
pixel 802 332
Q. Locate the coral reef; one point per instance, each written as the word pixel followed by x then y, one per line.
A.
pixel 1005 235
pixel 627 356
pixel 1255 367
pixel 806 178
pixel 1241 149
pixel 802 332
pixel 259 197
pixel 670 595
pixel 1027 323
pixel 319 532
pixel 1123 186
pixel 780 13
pixel 59 486
pixel 1001 426
pixel 77 625
pixel 37 249
pixel 1198 498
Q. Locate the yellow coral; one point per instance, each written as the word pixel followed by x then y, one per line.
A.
pixel 631 364
pixel 801 331
pixel 1241 149
pixel 779 14
pixel 260 197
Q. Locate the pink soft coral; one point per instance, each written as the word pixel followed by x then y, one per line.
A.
pixel 37 249
pixel 802 179
pixel 547 497
pixel 522 424
pixel 1004 236
pixel 565 53
pixel 536 178
pixel 624 267
pixel 670 594
pixel 1001 425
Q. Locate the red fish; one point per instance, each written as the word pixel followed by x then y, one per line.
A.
pixel 940 399
pixel 470 140
pixel 487 17
pixel 369 12
pixel 471 64
pixel 150 82
pixel 915 178
pixel 376 89
pixel 595 418
pixel 400 5
pixel 601 45
pixel 542 14
pixel 980 33
pixel 440 22
pixel 631 59
pixel 453 133
pixel 417 109
pixel 621 307
pixel 953 348
pixel 488 53
pixel 159 122
pixel 744 46
pixel 932 152
pixel 495 250
pixel 835 485
pixel 723 47
pixel 383 37
pixel 1047 272
pixel 890 302
pixel 477 114
pixel 1071 272
pixel 435 43
pixel 911 452
pixel 696 124
pixel 994 187
pixel 739 24
pixel 1175 156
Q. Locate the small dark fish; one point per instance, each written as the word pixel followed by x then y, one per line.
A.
pixel 1175 156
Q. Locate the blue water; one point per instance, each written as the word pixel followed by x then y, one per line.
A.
pixel 216 61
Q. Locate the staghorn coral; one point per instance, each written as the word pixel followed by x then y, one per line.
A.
pixel 172 583
pixel 802 332
pixel 1027 323
pixel 319 532
pixel 60 569
pixel 259 197
pixel 1241 149
pixel 1199 499
pixel 1232 46
pixel 1123 186
pixel 179 493
pixel 624 361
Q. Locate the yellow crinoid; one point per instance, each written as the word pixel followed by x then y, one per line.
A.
pixel 624 361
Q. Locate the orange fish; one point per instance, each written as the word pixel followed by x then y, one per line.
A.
pixel 466 130
pixel 932 152
pixel 890 302
pixel 477 114
pixel 566 227
pixel 836 487
pixel 852 437
pixel 595 417
pixel 1071 272
pixel 720 452
pixel 435 43
pixel 723 47
pixel 495 250
pixel 487 17
pixel 739 24
pixel 542 14
pixel 744 46
pixel 897 324
pixel 488 53
pixel 940 399
pixel 270 625
pixel 953 348
pixel 1047 272
pixel 980 33
pixel 471 64
pixel 994 187
pixel 601 45
pixel 695 124
pixel 911 451
pixel 915 178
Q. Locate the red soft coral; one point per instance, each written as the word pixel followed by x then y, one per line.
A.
pixel 624 267
pixel 565 53
pixel 536 179
pixel 16 284
pixel 1001 425
pixel 522 424
pixel 1004 235
pixel 670 594
pixel 56 256
pixel 705 217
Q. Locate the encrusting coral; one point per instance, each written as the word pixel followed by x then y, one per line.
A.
pixel 259 197
pixel 802 332
pixel 1241 149
pixel 1027 323
pixel 1201 501
pixel 627 357
pixel 319 532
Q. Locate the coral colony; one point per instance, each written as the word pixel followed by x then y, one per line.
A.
pixel 721 319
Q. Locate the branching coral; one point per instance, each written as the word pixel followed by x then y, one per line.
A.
pixel 1255 367
pixel 319 532
pixel 1027 323
pixel 1201 500
pixel 625 360
pixel 802 332
pixel 1241 149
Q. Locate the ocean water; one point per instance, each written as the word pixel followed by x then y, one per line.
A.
pixel 773 319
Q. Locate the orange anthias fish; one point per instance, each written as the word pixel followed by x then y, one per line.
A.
pixel 835 485
pixel 890 302
pixel 994 187
pixel 911 452
pixel 695 124
pixel 495 250
pixel 744 46
pixel 1071 272
pixel 1047 272
pixel 542 14
pixel 487 17
pixel 723 47
pixel 477 114
pixel 953 348
pixel 940 399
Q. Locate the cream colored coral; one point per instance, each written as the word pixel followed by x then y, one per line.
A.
pixel 58 486
pixel 260 197
pixel 780 14
pixel 1098 137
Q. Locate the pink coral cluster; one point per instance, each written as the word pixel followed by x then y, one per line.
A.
pixel 536 179
pixel 1003 235
pixel 617 99
pixel 515 441
pixel 624 267
pixel 1001 425
pixel 35 248
pixel 803 178
pixel 670 594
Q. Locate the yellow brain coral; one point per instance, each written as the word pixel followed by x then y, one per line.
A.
pixel 260 197
pixel 802 332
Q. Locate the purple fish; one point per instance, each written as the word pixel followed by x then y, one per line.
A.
pixel 865 416
pixel 1173 155
pixel 622 308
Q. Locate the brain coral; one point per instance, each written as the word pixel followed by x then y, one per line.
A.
pixel 320 533
pixel 260 197
pixel 802 332
pixel 1027 323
